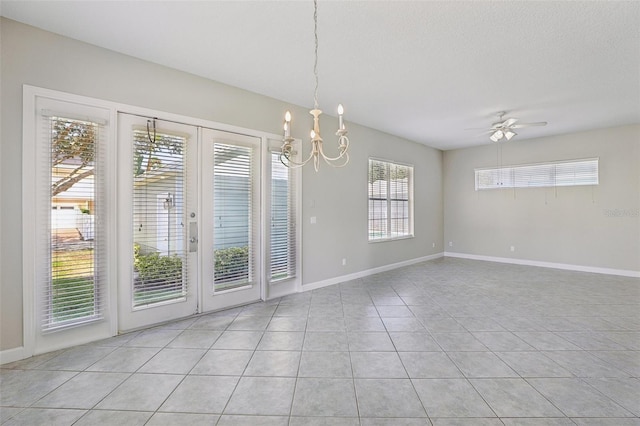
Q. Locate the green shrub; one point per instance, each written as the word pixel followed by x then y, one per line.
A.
pixel 154 268
pixel 231 263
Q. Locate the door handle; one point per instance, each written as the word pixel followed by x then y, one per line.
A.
pixel 193 237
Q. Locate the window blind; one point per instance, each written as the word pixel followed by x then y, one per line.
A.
pixel 283 256
pixel 390 200
pixel 549 174
pixel 378 196
pixel 399 199
pixel 72 277
pixel 235 218
pixel 159 252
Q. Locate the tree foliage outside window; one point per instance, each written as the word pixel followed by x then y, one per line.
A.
pixel 73 142
pixel 150 148
pixel 378 171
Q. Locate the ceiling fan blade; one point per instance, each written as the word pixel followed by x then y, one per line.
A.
pixel 482 133
pixel 518 126
pixel 509 122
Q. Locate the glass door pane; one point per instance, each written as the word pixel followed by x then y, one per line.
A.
pixel 158 166
pixel 73 293
pixel 231 225
pixel 159 178
pixel 282 235
pixel 233 216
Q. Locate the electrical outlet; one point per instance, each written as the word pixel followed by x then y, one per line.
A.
pixel 344 261
pixel 313 220
pixel 433 245
pixel 513 248
pixel 450 243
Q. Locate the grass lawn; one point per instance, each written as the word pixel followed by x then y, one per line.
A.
pixel 72 263
pixel 73 286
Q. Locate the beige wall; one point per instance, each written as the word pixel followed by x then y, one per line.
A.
pixel 595 226
pixel 337 197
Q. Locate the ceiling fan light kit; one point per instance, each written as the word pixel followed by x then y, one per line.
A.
pixel 504 129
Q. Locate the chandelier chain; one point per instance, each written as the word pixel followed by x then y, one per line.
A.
pixel 315 64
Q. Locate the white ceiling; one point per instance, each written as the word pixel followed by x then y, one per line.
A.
pixel 423 70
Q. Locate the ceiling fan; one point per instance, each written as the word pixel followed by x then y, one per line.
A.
pixel 505 128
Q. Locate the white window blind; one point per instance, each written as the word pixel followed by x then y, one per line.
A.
pixel 235 218
pixel 556 173
pixel 283 221
pixel 390 200
pixel 72 279
pixel 159 180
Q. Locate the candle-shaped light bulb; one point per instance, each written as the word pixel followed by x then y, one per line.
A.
pixel 313 134
pixel 287 127
pixel 340 121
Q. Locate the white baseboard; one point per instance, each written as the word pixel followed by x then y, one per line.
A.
pixel 367 272
pixel 566 266
pixel 11 355
pixel 283 289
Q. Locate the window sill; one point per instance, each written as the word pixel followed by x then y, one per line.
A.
pixel 383 240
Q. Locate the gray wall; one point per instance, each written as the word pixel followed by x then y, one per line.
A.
pixel 337 197
pixel 595 226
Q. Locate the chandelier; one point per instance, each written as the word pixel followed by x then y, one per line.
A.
pixel 317 151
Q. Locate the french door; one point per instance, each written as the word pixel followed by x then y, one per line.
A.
pixel 131 221
pixel 189 223
pixel 231 231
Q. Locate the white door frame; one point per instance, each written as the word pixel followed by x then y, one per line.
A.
pixel 34 340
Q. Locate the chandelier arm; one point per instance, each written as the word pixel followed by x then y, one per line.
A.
pixel 332 160
pixel 291 164
pixel 294 164
pixel 345 143
pixel 332 163
pixel 327 158
pixel 337 166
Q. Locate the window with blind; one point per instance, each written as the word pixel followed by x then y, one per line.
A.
pixel 390 200
pixel 159 252
pixel 234 216
pixel 550 174
pixel 282 261
pixel 72 284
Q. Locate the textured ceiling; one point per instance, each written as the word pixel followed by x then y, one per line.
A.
pixel 423 70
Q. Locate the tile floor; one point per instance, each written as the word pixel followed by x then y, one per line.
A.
pixel 446 342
